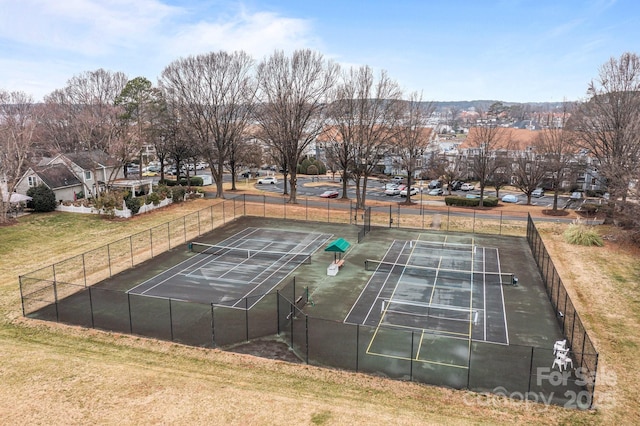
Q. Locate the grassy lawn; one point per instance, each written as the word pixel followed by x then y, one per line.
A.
pixel 57 374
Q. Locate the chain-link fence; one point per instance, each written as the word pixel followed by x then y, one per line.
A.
pixel 66 292
pixel 396 215
pixel 568 319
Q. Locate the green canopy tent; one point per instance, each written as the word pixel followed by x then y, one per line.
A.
pixel 338 247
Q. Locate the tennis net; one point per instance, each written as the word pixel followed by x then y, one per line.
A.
pixel 502 278
pixel 241 254
pixel 425 316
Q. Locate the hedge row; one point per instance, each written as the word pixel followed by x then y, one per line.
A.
pixel 193 181
pixel 470 202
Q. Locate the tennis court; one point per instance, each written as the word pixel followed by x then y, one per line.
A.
pixel 245 266
pixel 448 290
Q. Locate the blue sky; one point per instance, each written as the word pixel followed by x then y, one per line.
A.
pixel 509 50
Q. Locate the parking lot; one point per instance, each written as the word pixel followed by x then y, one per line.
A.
pixel 376 191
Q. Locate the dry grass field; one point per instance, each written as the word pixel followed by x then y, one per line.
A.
pixel 56 374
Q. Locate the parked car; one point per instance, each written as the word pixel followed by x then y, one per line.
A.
pixel 455 185
pixel 397 179
pixel 149 173
pixel 538 192
pixel 330 194
pixel 435 184
pixel 509 198
pixel 249 174
pixel 436 191
pixel 413 191
pixel 576 195
pixel 271 180
pixel 395 190
pixel 171 171
pixel 467 187
pixel 201 165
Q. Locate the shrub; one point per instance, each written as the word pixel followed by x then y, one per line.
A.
pixel 43 199
pixel 133 204
pixel 193 181
pixel 153 198
pixel 177 194
pixel 163 191
pixel 582 235
pixel 470 202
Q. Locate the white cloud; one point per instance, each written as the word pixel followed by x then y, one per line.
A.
pixel 257 34
pixel 87 27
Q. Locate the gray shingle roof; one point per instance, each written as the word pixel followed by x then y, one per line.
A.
pixel 90 160
pixel 57 176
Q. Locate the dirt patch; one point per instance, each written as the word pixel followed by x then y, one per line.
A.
pixel 266 348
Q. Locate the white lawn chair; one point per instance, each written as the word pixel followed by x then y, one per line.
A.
pixel 562 361
pixel 559 345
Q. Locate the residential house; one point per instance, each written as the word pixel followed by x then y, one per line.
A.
pixel 69 175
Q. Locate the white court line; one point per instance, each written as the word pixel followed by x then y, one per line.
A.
pixel 181 272
pixel 386 280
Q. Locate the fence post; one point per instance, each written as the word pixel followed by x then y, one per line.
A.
pixel 84 270
pixel 500 227
pixel 55 298
pixel 328 211
pixel 244 204
pixel 108 258
pixel 246 316
pixel 411 360
pixel 131 248
pixel 306 208
pixel 593 387
pixel 93 324
pixel 264 206
pixel 278 311
pixel 473 223
pixel 306 332
pixel 213 328
pixel 170 320
pixel 129 308
pixel 357 346
pixel 390 216
pixel 530 370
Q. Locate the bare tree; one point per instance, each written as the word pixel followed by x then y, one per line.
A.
pixel 413 136
pixel 82 116
pixel 18 121
pixel 608 124
pixel 243 152
pixel 484 143
pixel 529 170
pixel 214 94
pixel 445 167
pixel 294 93
pixel 557 147
pixel 365 115
pixel 502 171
